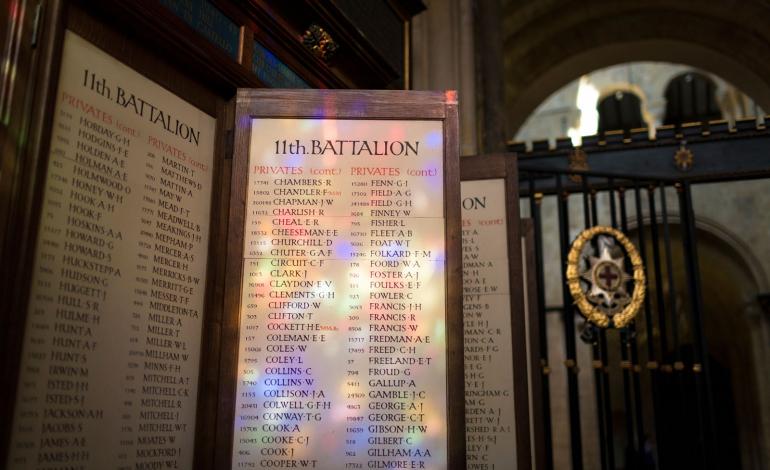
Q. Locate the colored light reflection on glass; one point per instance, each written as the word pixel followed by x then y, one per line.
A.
pixel 342 339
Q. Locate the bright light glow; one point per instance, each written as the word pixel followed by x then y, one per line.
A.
pixel 588 124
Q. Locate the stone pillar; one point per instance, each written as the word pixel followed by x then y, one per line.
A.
pixel 489 47
pixel 443 58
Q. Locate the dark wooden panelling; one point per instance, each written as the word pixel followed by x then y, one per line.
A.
pixel 483 167
pixel 169 37
pixel 269 28
pixel 518 325
pixel 39 75
pixel 279 25
pixel 349 103
pixel 381 25
pixel 208 380
pixel 228 365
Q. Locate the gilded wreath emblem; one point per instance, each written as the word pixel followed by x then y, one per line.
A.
pixel 319 42
pixel 597 279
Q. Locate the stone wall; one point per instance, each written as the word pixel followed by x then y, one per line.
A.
pixel 560 114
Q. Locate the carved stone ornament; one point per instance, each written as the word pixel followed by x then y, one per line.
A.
pixel 319 42
pixel 597 279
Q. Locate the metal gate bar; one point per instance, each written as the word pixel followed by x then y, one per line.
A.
pixel 534 207
pixel 659 302
pixel 589 219
pixel 652 364
pixel 569 333
pixel 627 405
pixel 664 369
pixel 659 316
pixel 677 352
pixel 604 371
pixel 706 428
pixel 629 357
pixel 711 143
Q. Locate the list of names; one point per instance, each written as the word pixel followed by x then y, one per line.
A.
pixel 111 351
pixel 489 412
pixel 342 359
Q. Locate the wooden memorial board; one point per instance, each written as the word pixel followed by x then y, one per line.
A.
pixel 112 345
pixel 344 282
pixel 496 370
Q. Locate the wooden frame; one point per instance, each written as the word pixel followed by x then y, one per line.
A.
pixel 503 166
pixel 56 18
pixel 536 367
pixel 343 104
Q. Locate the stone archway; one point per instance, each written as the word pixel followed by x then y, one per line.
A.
pixel 549 43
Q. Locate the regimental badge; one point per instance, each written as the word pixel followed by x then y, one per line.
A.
pixel 684 158
pixel 597 279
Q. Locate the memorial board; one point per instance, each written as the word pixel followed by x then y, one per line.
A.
pixel 110 361
pixel 344 306
pixel 493 185
pixel 489 397
pixel 342 317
